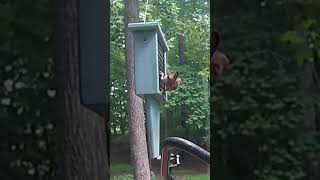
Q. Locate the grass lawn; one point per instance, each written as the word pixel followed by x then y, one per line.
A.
pixel 121 169
pixel 125 171
pixel 130 177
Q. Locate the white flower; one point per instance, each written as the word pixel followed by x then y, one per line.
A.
pixel 39 131
pixel 21 146
pixel 24 71
pixel 311 45
pixel 20 110
pixel 49 126
pixel 8 68
pixel 42 144
pixel 46 39
pixel 45 74
pixel 8 84
pixel 18 162
pixel 263 3
pixel 13 147
pixel 51 93
pixel 31 171
pixel 38 113
pixel 28 129
pixel 6 101
pixel 20 85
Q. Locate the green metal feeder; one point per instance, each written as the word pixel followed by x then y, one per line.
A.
pixel 150 57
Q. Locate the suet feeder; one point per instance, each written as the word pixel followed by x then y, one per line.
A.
pixel 150 57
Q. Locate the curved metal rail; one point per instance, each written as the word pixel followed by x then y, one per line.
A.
pixel 184 145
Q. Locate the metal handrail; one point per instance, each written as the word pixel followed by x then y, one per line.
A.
pixel 184 145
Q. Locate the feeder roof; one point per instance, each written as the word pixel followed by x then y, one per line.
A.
pixel 149 26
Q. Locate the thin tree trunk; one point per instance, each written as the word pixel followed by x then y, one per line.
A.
pixel 183 60
pixel 137 132
pixel 166 123
pixel 307 82
pixel 317 83
pixel 182 48
pixel 309 113
pixel 207 123
pixel 81 135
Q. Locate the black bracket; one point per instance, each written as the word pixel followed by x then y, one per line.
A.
pixel 184 145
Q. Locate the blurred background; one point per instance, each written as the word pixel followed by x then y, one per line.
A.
pixel 266 121
pixel 27 131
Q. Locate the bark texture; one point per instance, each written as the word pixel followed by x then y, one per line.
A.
pixel 182 48
pixel 183 60
pixel 137 132
pixel 81 133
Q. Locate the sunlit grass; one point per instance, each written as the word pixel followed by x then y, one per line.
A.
pixel 130 177
pixel 201 177
pixel 121 169
pixel 125 172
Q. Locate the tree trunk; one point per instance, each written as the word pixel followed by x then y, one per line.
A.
pixel 183 60
pixel 138 143
pixel 206 86
pixel 182 49
pixel 317 82
pixel 167 123
pixel 307 83
pixel 81 134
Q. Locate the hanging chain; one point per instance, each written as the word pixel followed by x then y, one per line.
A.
pixel 145 12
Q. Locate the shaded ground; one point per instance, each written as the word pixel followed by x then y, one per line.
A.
pixel 120 154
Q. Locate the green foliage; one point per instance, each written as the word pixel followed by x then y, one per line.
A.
pixel 203 177
pixel 153 176
pixel 120 139
pixel 118 106
pixel 130 177
pixel 27 132
pixel 291 37
pixel 181 171
pixel 188 174
pixel 126 172
pixel 175 17
pixel 122 168
pixel 258 111
pixel 191 97
pixel 123 177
